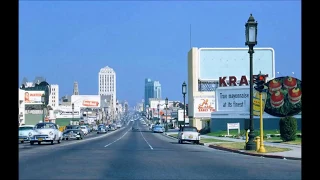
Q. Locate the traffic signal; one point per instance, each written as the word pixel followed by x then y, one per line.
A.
pixel 259 82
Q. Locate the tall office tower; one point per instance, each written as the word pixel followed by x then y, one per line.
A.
pixel 107 84
pixel 54 96
pixel 75 88
pixel 152 89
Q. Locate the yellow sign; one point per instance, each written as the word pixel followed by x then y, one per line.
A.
pixel 256 102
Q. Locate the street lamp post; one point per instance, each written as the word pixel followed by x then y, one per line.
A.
pixel 158 107
pixel 251 41
pixel 184 92
pixel 166 102
pixel 147 110
pixel 72 111
pixel 43 98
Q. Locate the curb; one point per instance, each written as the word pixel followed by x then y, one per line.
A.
pixel 241 152
pixel 177 138
pixel 252 154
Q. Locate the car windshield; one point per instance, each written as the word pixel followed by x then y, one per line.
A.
pixel 83 127
pixel 25 128
pixel 190 129
pixel 71 130
pixel 45 126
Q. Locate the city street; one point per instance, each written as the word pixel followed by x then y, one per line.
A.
pixel 141 154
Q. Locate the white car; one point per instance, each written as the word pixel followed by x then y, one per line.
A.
pixel 25 132
pixel 190 134
pixel 84 129
pixel 46 132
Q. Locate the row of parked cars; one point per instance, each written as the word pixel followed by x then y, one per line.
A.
pixel 49 132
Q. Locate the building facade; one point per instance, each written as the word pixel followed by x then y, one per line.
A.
pixel 54 96
pixel 107 84
pixel 152 89
pixel 21 107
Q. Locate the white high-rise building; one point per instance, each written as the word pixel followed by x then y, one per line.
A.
pixel 54 96
pixel 107 84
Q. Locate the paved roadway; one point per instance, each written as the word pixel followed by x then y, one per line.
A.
pixel 127 154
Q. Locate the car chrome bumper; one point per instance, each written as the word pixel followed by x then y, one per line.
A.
pixel 42 138
pixel 23 138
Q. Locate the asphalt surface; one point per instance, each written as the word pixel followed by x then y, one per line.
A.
pixel 141 154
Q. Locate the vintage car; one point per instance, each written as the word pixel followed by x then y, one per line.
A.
pixel 102 129
pixel 73 134
pixel 112 127
pixel 46 132
pixel 25 132
pixel 158 129
pixel 189 134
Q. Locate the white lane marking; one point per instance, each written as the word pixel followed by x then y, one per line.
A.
pixel 84 140
pixel 117 139
pixel 145 140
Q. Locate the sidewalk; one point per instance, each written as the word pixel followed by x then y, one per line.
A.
pixel 294 153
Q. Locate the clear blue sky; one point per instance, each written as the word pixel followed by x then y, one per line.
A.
pixel 70 41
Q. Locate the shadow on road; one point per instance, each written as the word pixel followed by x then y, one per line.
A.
pixel 141 131
pixel 187 143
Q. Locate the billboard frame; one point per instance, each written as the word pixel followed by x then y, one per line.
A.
pixel 235 48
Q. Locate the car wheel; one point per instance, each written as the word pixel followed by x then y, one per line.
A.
pixel 31 143
pixel 97 132
pixel 78 138
pixel 22 142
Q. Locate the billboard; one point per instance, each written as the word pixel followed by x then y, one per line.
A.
pixel 66 112
pixel 86 101
pixel 235 99
pixel 204 106
pixel 284 97
pixel 219 62
pixel 162 105
pixel 33 97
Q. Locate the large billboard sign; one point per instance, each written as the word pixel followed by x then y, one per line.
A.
pixel 86 101
pixel 284 97
pixel 219 62
pixel 33 97
pixel 204 106
pixel 162 105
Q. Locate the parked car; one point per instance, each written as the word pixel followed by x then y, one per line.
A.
pixel 73 134
pixel 158 129
pixel 112 127
pixel 188 133
pixel 102 129
pixel 84 129
pixel 25 132
pixel 46 132
pixel 72 127
pixel 119 125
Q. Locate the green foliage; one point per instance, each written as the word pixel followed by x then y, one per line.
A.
pixel 288 128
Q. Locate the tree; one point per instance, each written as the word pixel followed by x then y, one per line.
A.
pixel 288 128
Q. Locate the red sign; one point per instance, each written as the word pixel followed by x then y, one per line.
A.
pixel 232 80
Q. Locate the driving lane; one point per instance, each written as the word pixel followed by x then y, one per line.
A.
pixel 142 154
